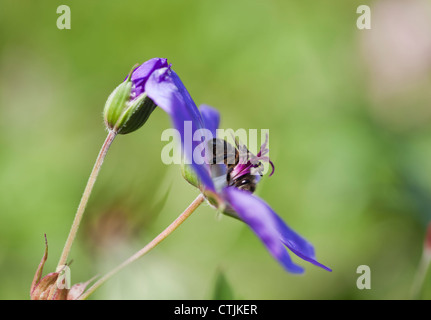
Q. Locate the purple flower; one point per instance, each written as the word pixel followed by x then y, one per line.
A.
pixel 152 84
pixel 164 87
pixel 234 185
pixel 229 188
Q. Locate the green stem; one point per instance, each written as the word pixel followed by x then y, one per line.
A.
pixel 163 235
pixel 84 199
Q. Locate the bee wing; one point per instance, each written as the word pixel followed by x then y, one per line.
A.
pixel 223 152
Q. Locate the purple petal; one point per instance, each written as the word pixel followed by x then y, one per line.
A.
pixel 271 229
pixel 147 68
pixel 211 118
pixel 165 88
pixel 298 245
pixel 256 215
pixel 141 74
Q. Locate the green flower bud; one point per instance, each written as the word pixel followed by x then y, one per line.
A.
pixel 125 111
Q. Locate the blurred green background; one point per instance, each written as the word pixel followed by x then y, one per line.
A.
pixel 349 114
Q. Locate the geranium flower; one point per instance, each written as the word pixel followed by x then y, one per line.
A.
pixel 150 85
pixel 154 83
pixel 234 197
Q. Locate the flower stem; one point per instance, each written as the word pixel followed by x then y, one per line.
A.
pixel 163 235
pixel 86 195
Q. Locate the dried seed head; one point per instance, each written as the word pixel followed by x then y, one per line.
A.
pixel 54 286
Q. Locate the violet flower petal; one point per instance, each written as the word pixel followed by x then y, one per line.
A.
pixel 258 217
pixel 167 91
pixel 271 229
pixel 141 74
pixel 298 245
pixel 211 118
pixel 147 68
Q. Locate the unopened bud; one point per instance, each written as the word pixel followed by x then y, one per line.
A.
pixel 125 112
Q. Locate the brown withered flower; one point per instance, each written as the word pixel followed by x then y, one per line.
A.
pixel 53 285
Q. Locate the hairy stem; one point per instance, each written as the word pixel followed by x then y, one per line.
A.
pixel 84 199
pixel 163 235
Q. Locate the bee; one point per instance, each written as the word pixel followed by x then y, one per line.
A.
pixel 242 173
